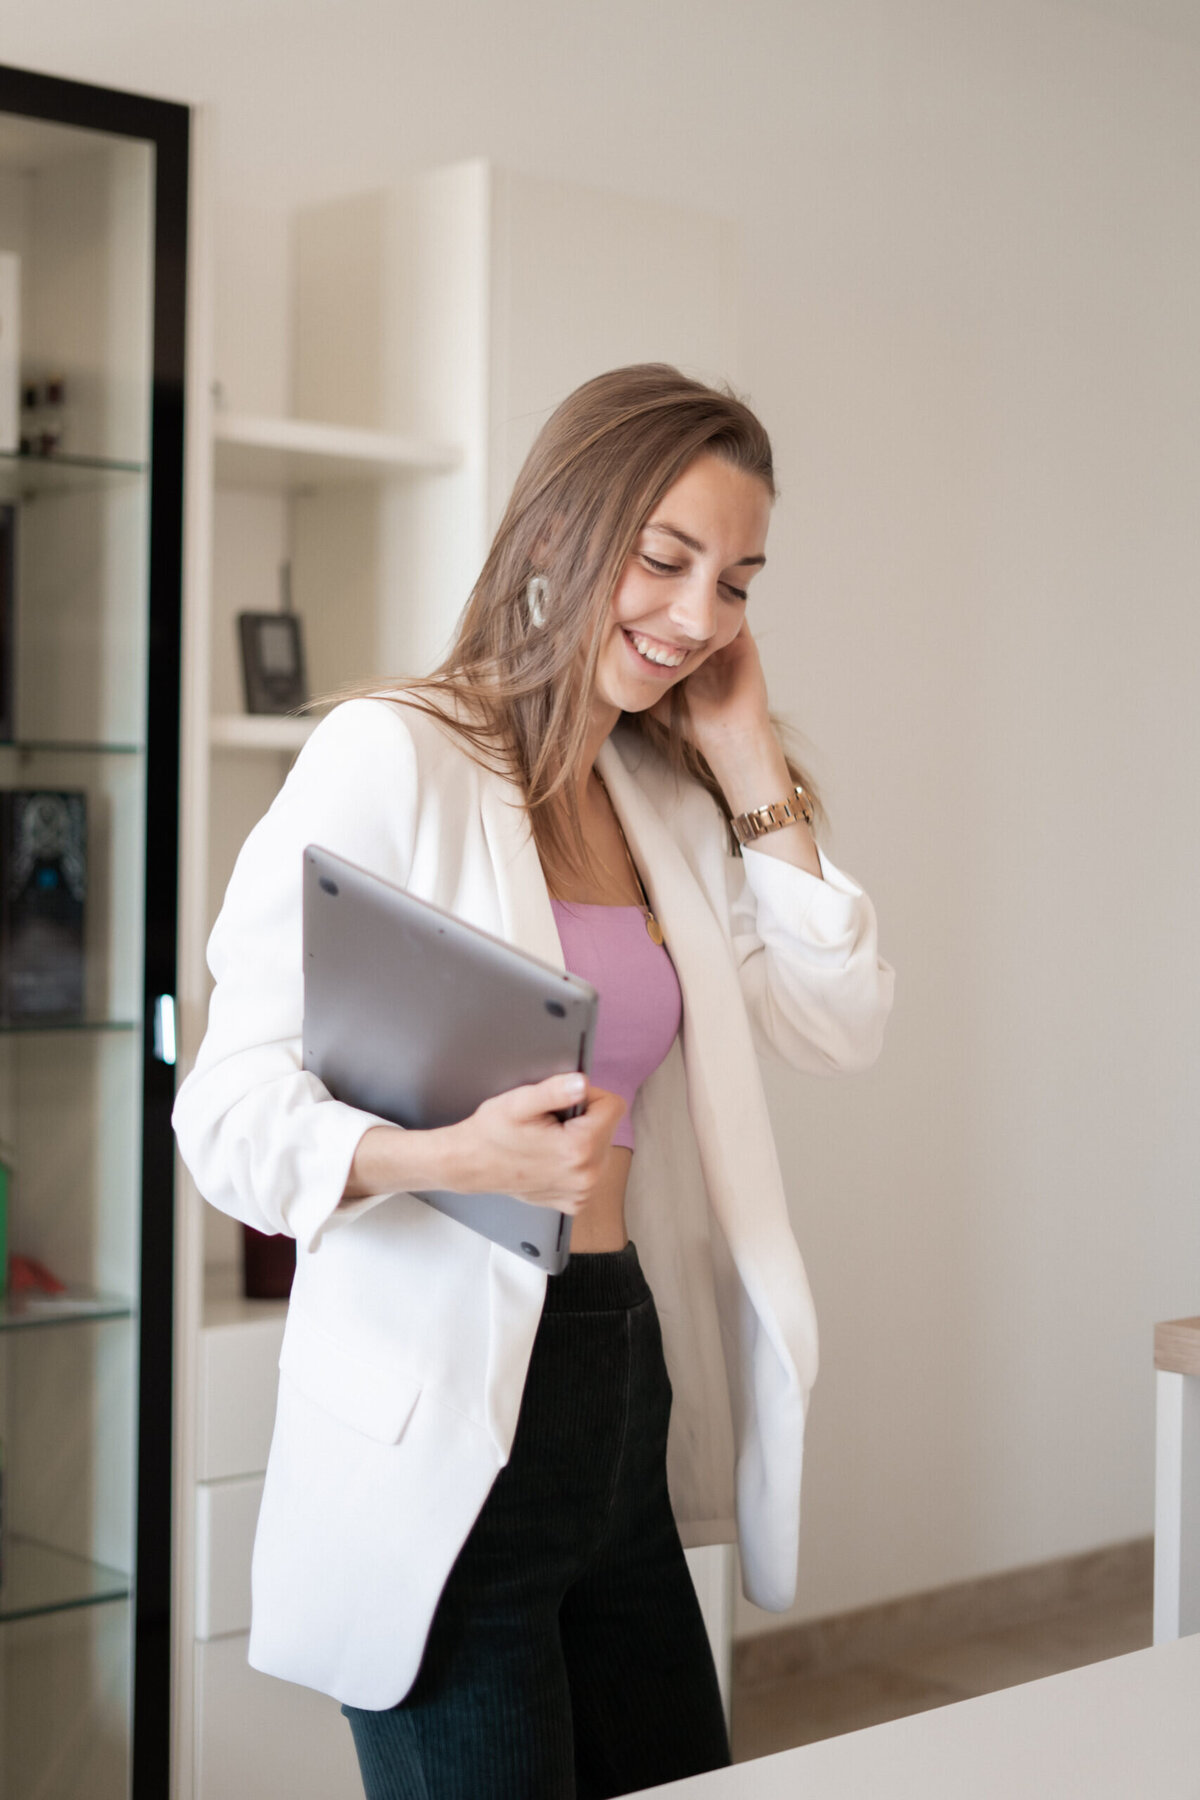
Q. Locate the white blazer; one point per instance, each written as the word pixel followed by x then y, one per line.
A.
pixel 408 1336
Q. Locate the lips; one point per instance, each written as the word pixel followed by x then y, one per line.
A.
pixel 650 663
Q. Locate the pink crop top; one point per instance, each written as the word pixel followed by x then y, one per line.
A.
pixel 640 1002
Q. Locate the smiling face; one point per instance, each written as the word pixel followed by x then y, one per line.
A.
pixel 682 594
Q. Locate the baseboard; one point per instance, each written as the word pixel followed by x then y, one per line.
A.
pixel 1018 1596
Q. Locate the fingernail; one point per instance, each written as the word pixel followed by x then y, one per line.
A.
pixel 577 1086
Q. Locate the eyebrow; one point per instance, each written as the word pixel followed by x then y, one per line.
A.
pixel 743 562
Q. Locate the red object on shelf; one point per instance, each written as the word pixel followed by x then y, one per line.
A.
pixel 268 1265
pixel 26 1275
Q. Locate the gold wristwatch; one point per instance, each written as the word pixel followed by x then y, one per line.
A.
pixel 762 819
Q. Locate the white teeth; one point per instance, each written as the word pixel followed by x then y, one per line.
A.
pixel 667 659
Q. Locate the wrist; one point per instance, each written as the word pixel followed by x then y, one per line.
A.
pixel 454 1159
pixel 751 771
pixel 391 1160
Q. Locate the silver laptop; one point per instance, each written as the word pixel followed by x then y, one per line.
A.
pixel 411 1013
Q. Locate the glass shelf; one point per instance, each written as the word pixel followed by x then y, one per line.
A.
pixel 64 747
pixel 30 1311
pixel 23 1027
pixel 40 1580
pixel 23 476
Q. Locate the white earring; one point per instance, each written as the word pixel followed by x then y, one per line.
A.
pixel 536 593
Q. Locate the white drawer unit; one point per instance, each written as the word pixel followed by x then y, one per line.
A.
pixel 226 1514
pixel 257 1738
pixel 239 1375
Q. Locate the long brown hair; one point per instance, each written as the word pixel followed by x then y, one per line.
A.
pixel 518 694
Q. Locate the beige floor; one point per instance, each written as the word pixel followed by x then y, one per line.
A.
pixel 776 1715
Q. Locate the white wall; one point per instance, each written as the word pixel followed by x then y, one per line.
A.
pixel 969 293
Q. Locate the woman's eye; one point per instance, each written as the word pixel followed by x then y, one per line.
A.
pixel 737 593
pixel 660 568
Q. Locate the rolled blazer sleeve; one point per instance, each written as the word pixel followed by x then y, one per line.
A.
pixel 263 1139
pixel 817 990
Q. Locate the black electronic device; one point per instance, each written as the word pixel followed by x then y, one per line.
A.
pixel 272 661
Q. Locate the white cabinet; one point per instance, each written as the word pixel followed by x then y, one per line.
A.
pixel 235 1392
pixel 226 1514
pixel 257 1738
pixel 253 1735
pixel 434 327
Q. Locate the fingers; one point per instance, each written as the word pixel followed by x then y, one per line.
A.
pixel 560 1094
pixel 590 1133
pixel 546 1142
pixel 556 1094
pixel 604 1109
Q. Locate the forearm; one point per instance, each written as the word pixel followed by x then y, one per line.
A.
pixel 753 772
pixel 515 1143
pixel 389 1160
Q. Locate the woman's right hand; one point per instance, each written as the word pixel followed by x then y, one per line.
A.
pixel 516 1143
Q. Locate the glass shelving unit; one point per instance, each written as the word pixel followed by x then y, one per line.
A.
pixel 93 204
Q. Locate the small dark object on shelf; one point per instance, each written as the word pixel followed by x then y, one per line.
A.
pixel 43 889
pixel 272 662
pixel 42 416
pixel 272 644
pixel 269 1264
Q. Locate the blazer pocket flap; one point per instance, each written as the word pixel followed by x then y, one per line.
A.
pixel 375 1400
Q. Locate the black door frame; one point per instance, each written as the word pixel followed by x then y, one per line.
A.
pixel 165 125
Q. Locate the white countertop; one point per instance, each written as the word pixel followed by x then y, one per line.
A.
pixel 1126 1729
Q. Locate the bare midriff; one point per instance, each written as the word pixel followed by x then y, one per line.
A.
pixel 601 1224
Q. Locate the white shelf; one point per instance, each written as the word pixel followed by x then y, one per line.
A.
pixel 259 731
pixel 292 455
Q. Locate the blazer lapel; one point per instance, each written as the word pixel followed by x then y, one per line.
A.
pixel 726 1100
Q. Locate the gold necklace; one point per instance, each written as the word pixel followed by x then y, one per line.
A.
pixel 653 928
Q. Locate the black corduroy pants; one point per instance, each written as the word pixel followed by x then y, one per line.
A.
pixel 568 1658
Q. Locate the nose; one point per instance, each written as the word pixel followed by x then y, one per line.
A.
pixel 693 610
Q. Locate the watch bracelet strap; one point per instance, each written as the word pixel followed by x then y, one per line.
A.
pixel 756 823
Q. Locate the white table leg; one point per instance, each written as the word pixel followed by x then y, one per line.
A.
pixel 1177 1507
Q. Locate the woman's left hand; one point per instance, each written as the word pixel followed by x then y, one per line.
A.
pixel 727 698
pixel 730 725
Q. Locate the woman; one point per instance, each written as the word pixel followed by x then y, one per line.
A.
pixel 471 1525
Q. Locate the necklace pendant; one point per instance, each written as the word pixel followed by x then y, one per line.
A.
pixel 653 928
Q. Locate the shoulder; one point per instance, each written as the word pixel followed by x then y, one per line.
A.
pixel 384 734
